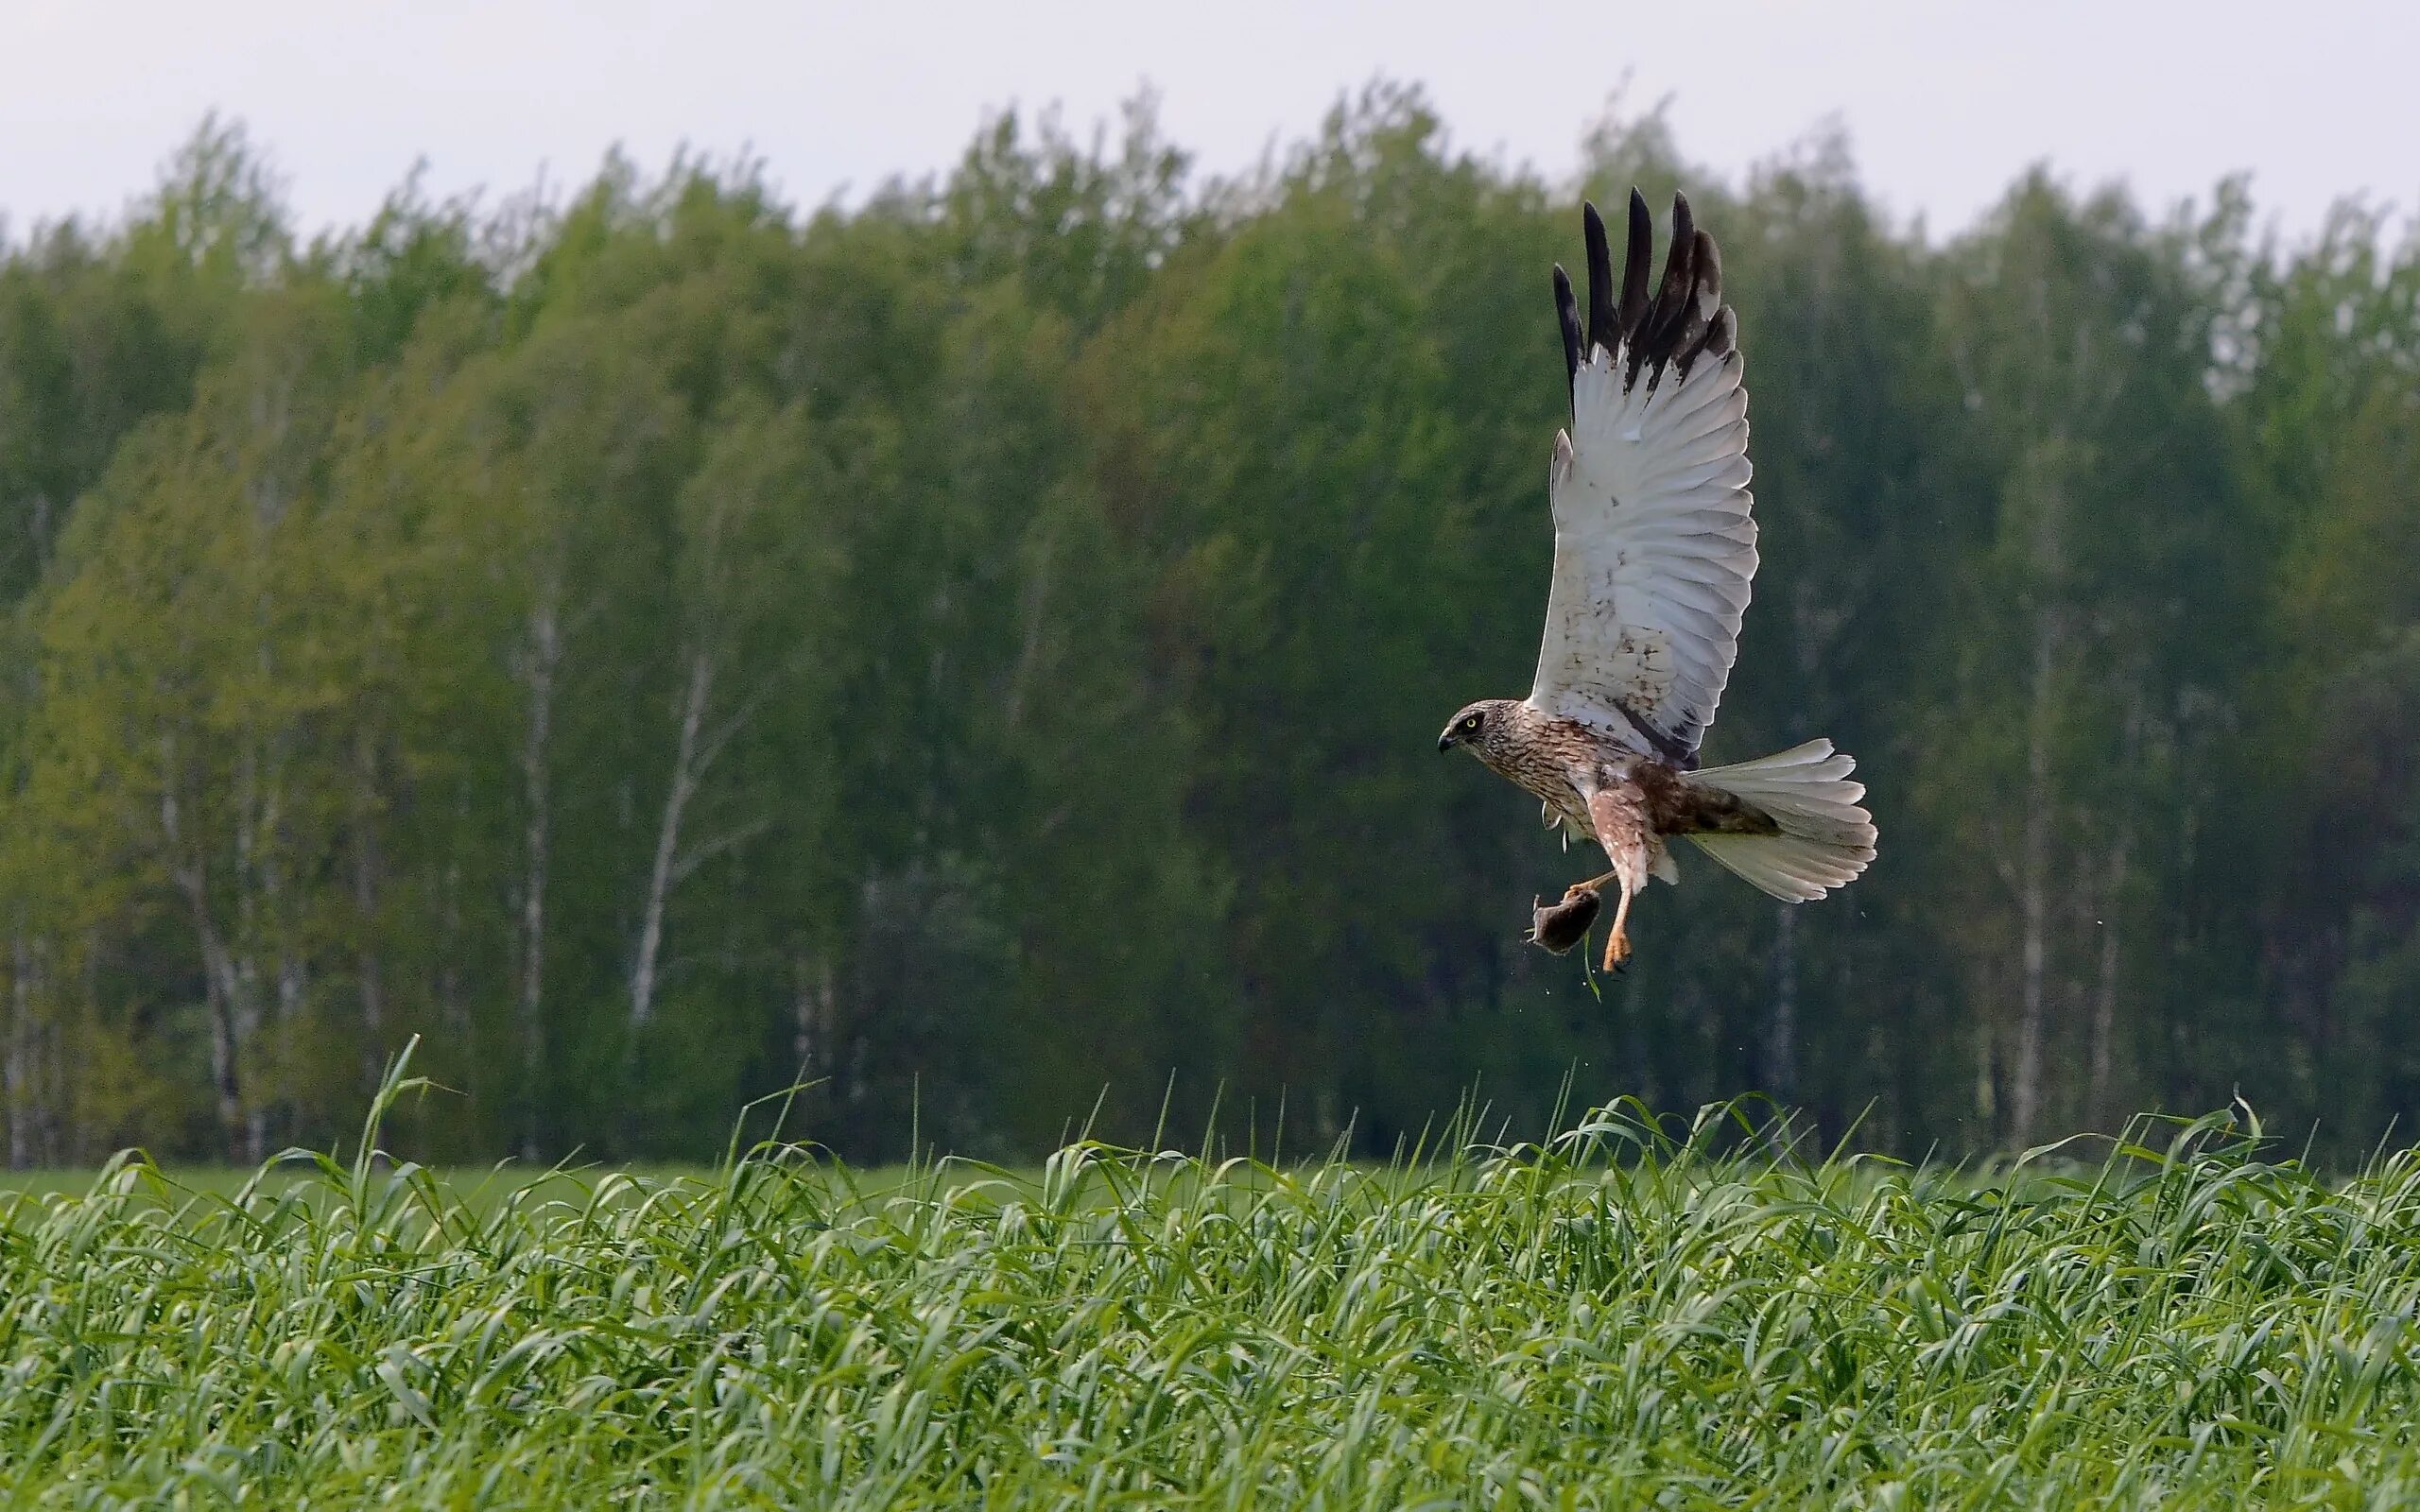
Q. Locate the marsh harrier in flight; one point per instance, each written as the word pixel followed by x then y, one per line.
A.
pixel 1654 548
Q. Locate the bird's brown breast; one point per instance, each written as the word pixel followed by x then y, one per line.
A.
pixel 1553 759
pixel 1545 760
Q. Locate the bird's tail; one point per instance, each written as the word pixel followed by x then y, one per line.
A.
pixel 1825 837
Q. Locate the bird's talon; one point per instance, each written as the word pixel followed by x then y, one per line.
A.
pixel 1616 949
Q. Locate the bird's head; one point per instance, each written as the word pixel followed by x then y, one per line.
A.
pixel 1479 728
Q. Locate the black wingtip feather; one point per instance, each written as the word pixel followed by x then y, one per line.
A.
pixel 1634 266
pixel 1716 342
pixel 1566 311
pixel 1679 263
pixel 1684 321
pixel 1663 324
pixel 1708 261
pixel 1601 330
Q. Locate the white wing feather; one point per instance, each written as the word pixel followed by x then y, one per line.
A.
pixel 1653 551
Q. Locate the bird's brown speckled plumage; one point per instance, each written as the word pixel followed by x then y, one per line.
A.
pixel 1560 761
pixel 1654 550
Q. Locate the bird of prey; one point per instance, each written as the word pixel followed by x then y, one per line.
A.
pixel 1653 549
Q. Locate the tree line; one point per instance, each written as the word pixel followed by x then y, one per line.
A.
pixel 977 653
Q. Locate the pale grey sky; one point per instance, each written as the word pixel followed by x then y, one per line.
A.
pixel 1944 102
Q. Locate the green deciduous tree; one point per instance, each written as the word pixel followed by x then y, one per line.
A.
pixel 974 653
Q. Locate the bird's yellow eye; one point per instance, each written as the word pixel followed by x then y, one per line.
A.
pixel 1470 726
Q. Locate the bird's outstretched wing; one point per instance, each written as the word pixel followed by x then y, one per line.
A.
pixel 1653 546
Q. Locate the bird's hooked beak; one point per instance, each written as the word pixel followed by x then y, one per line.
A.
pixel 1447 741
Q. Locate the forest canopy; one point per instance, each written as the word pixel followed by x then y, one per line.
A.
pixel 979 651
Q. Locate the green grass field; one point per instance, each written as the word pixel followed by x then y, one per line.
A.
pixel 1619 1318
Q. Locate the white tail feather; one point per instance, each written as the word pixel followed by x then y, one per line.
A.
pixel 1825 837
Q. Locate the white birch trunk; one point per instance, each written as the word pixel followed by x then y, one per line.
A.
pixel 813 1011
pixel 1781 1035
pixel 2105 1006
pixel 449 970
pixel 17 1076
pixel 2033 889
pixel 542 658
pixel 368 865
pixel 223 981
pixel 688 764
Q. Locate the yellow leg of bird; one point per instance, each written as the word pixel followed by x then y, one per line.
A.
pixel 1617 938
pixel 1617 811
pixel 1592 885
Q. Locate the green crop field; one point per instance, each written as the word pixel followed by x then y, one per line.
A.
pixel 1626 1315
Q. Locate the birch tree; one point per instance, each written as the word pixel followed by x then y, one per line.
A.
pixel 754 570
